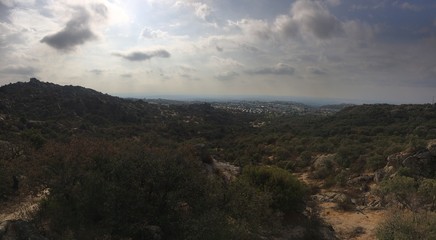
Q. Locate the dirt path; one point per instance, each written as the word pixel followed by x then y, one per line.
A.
pixel 21 207
pixel 358 225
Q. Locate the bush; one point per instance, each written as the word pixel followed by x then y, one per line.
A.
pixel 133 189
pixel 402 189
pixel 286 191
pixel 407 225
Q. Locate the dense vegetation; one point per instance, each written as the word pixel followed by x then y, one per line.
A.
pixel 120 168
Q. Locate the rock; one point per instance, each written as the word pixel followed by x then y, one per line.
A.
pixel 431 147
pixel 420 163
pixel 361 179
pixel 379 175
pixel 357 231
pixel 395 159
pixel 226 170
pixel 19 230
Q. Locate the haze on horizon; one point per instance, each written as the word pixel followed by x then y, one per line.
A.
pixel 369 51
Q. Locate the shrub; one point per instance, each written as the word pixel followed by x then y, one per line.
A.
pixel 286 191
pixel 402 189
pixel 134 189
pixel 407 225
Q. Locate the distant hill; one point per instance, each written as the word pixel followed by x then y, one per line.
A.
pixel 38 100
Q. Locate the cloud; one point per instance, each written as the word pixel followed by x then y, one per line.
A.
pixel 314 17
pixel 152 34
pixel 334 2
pixel 19 70
pixel 409 6
pixel 278 69
pixel 286 26
pixel 359 31
pixel 100 9
pixel 226 76
pixel 96 71
pixel 143 55
pixel 226 62
pixel 75 33
pixel 316 70
pixel 201 10
pixel 253 27
pixel 126 75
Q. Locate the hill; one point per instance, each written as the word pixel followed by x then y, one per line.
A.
pixel 126 168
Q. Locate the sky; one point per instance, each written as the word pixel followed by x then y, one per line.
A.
pixel 362 51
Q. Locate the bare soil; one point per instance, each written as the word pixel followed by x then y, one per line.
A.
pixel 353 224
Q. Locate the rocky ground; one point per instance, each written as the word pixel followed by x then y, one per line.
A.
pixel 357 222
pixel 14 215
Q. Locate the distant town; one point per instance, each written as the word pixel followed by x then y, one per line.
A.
pixel 275 108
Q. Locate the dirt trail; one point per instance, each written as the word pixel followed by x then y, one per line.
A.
pixel 358 225
pixel 21 207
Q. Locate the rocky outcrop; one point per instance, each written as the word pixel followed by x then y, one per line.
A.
pixel 419 163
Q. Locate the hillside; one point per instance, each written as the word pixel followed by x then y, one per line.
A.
pixel 126 168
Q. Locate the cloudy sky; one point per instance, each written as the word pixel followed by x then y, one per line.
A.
pixel 369 51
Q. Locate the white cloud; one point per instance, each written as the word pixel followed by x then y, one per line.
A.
pixel 278 69
pixel 226 76
pixel 147 32
pixel 226 62
pixel 201 10
pixel 253 28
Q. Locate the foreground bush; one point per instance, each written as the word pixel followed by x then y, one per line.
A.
pixel 408 225
pixel 286 191
pixel 140 193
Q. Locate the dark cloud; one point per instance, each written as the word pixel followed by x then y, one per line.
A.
pixel 19 70
pixel 76 32
pixel 315 18
pixel 143 55
pixel 316 70
pixel 308 18
pixel 279 69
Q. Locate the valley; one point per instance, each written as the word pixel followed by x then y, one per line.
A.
pixel 140 169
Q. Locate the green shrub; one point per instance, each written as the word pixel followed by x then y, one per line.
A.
pixel 407 225
pixel 126 192
pixel 286 191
